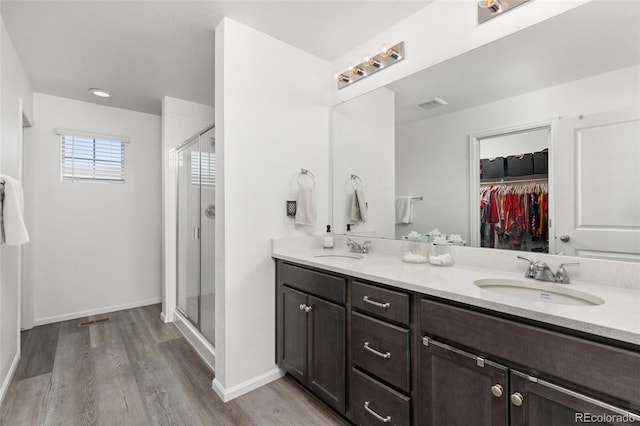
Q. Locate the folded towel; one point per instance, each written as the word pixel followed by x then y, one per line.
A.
pixel 13 232
pixel 305 206
pixel 404 210
pixel 358 210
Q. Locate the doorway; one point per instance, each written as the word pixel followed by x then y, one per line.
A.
pixel 26 176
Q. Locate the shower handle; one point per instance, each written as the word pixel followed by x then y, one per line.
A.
pixel 210 211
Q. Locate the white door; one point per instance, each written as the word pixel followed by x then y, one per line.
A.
pixel 598 186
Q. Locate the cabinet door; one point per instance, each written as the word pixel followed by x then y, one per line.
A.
pixel 294 333
pixel 538 403
pixel 460 389
pixel 327 352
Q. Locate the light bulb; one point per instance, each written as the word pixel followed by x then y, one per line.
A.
pixel 492 5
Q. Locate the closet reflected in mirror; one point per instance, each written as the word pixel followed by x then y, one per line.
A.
pixel 514 190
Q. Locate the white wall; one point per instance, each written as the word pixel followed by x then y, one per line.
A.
pixel 364 144
pixel 98 243
pixel 432 156
pixel 272 119
pixel 438 32
pixel 180 120
pixel 16 99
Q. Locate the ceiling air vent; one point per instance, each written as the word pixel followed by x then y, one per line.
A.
pixel 433 103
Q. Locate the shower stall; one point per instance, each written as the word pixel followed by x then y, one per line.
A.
pixel 196 186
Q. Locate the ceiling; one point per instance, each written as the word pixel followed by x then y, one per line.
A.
pixel 144 50
pixel 595 38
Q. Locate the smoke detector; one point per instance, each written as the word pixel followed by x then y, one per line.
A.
pixel 433 103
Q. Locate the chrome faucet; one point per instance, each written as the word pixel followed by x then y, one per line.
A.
pixel 541 271
pixel 354 247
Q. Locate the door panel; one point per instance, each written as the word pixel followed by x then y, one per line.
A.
pixel 456 388
pixel 327 352
pixel 294 320
pixel 188 269
pixel 207 241
pixel 546 404
pixel 598 201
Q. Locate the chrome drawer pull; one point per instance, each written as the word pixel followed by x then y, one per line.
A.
pixel 386 305
pixel 376 415
pixel 386 355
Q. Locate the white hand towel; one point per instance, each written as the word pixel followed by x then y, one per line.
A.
pixel 404 210
pixel 13 231
pixel 358 210
pixel 305 206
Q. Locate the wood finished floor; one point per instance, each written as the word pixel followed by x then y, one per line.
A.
pixel 136 370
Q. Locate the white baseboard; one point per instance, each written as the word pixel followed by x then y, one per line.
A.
pixel 166 317
pixel 7 380
pixel 201 345
pixel 227 395
pixel 96 311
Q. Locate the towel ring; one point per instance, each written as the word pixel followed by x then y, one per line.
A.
pixel 354 181
pixel 306 172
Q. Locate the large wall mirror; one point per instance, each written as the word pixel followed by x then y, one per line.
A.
pixel 575 78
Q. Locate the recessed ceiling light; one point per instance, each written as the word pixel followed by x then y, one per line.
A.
pixel 100 92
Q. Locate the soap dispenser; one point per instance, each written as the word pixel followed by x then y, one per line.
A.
pixel 327 241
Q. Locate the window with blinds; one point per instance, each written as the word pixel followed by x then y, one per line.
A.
pixel 86 158
pixel 203 168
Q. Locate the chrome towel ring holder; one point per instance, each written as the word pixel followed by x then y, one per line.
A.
pixel 306 172
pixel 355 180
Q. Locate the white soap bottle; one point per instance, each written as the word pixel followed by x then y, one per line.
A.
pixel 327 241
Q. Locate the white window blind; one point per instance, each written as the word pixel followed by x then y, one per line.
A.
pixel 203 168
pixel 87 158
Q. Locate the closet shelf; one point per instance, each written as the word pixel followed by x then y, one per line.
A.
pixel 515 179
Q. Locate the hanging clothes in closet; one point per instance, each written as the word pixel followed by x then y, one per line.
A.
pixel 514 216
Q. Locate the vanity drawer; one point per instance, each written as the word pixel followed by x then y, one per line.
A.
pixel 381 349
pixel 380 302
pixel 317 283
pixel 373 403
pixel 605 369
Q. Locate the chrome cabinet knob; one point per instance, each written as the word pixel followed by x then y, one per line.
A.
pixel 305 308
pixel 517 399
pixel 496 390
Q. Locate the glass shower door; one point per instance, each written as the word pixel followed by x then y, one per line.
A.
pixel 188 268
pixel 207 242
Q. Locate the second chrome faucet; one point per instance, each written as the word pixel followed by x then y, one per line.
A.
pixel 541 271
pixel 355 247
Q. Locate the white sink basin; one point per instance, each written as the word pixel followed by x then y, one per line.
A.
pixel 539 291
pixel 343 259
pixel 338 254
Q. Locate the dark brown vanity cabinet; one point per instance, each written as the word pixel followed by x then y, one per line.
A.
pixel 311 330
pixel 461 387
pixel 380 355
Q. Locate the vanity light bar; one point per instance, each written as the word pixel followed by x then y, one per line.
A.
pixel 387 57
pixel 488 9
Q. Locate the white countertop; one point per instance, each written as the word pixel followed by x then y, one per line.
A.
pixel 618 318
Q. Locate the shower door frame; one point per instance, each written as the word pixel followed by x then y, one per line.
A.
pixel 195 139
